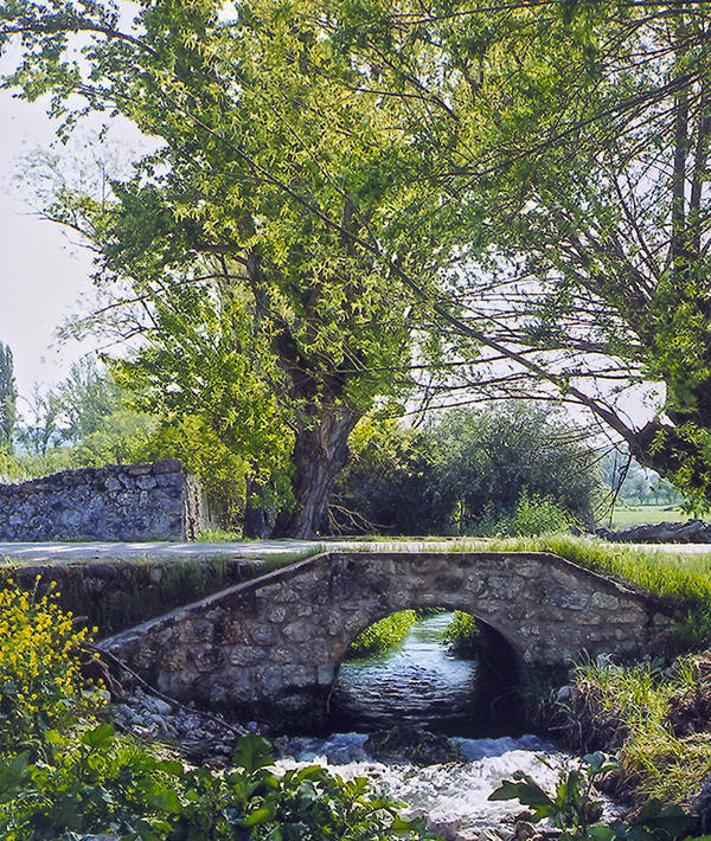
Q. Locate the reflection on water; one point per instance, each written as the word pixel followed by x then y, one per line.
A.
pixel 419 682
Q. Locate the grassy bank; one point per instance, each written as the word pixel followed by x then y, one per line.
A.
pixel 654 719
pixel 383 635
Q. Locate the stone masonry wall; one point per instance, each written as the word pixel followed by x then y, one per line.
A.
pixel 134 502
pixel 271 648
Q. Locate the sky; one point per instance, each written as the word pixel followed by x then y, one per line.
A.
pixel 44 271
pixel 42 274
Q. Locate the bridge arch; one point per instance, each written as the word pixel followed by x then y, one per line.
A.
pixel 482 693
pixel 270 648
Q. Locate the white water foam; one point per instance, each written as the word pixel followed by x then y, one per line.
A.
pixel 453 797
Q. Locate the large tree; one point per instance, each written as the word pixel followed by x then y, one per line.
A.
pixel 262 241
pixel 577 135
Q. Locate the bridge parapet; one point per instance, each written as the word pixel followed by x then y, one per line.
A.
pixel 270 648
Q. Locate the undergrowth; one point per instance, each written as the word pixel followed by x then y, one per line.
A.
pixel 382 635
pixel 656 719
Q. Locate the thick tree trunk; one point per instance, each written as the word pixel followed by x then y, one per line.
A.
pixel 670 452
pixel 320 452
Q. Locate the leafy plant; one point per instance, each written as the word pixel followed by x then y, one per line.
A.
pixel 41 684
pixel 104 783
pixel 461 636
pixel 575 809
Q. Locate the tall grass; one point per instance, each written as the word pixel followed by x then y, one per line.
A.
pixel 382 635
pixel 658 715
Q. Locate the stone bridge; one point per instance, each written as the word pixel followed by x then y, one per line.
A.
pixel 270 648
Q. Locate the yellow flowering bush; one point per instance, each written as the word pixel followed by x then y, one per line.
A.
pixel 41 685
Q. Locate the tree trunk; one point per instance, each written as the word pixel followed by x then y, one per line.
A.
pixel 256 516
pixel 669 451
pixel 320 452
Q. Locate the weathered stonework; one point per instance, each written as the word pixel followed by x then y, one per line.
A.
pixel 270 648
pixel 133 502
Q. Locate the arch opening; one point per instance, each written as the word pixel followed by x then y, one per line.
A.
pixel 451 673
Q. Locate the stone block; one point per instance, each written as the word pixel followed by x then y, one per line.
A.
pixel 605 601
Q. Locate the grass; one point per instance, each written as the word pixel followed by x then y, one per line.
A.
pixel 654 719
pixel 382 635
pixel 637 515
pixel 675 575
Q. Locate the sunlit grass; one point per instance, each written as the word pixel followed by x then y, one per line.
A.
pixel 662 755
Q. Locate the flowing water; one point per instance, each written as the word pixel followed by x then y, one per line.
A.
pixel 421 683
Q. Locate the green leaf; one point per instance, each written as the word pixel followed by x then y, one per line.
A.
pixel 259 816
pixel 253 752
pixel 528 793
pixel 13 772
pixel 100 737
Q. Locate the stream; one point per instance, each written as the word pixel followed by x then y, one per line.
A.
pixel 420 683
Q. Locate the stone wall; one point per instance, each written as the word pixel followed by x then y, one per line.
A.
pixel 271 648
pixel 134 502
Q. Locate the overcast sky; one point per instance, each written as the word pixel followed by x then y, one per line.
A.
pixel 42 275
pixel 44 272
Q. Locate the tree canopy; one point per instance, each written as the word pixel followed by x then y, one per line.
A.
pixel 340 189
pixel 242 237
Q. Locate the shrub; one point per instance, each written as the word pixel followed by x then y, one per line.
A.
pixel 99 783
pixel 382 635
pixel 41 685
pixel 534 515
pixel 466 472
pixel 461 636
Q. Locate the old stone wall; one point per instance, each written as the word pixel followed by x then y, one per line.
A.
pixel 271 648
pixel 134 502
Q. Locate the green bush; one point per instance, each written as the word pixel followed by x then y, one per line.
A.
pixel 534 515
pixel 41 682
pixel 461 636
pixel 382 635
pixel 96 782
pixel 467 473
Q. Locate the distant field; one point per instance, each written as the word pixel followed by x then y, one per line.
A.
pixel 638 514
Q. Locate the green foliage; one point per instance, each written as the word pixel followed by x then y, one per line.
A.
pixel 654 717
pixel 512 470
pixel 222 471
pixel 87 396
pixel 389 484
pixel 41 684
pixel 95 782
pixel 264 237
pixel 576 811
pixel 8 398
pixel 533 515
pixel 383 635
pixel 461 636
